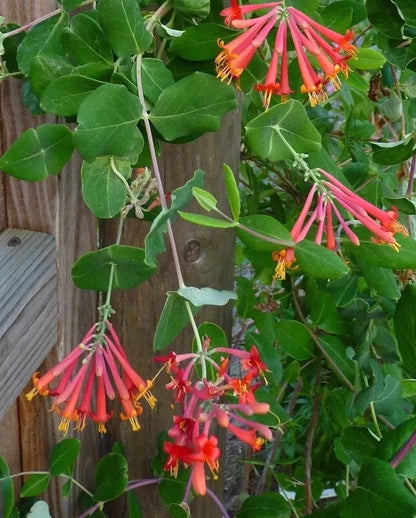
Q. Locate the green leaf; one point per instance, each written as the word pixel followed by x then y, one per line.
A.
pixel 178 511
pixel 408 10
pixel 385 17
pixel 408 388
pixel 233 194
pixel 45 68
pixel 405 328
pixel 403 205
pixel 44 38
pixel 384 255
pixel 379 494
pixel 173 319
pixel 112 131
pixel 39 509
pixel 154 243
pixel 38 153
pixel 205 221
pixel 103 191
pixel 294 339
pixel 380 279
pixel 85 41
pixel 336 351
pixel 282 130
pixel 200 42
pixel 394 152
pixel 192 106
pixel 319 262
pixel 367 59
pixel 92 271
pixel 393 441
pixel 192 9
pixel 266 226
pixel 6 490
pixel 155 78
pixel 358 443
pixel 35 485
pixel 63 456
pixel 124 26
pixel 205 199
pixel 344 289
pixel 206 296
pixel 110 477
pixel 267 505
pixel 64 95
pixel 338 16
pixel 134 509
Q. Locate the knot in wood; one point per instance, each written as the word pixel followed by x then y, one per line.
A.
pixel 192 251
pixel 14 241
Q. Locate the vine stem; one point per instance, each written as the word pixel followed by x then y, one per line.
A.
pixel 318 344
pixel 309 444
pixel 404 451
pixel 41 19
pixel 218 502
pixel 164 206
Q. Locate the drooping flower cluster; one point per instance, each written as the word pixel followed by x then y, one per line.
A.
pixel 328 50
pixel 329 192
pixel 91 369
pixel 206 403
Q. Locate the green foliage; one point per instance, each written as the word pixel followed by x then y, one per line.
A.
pixel 112 131
pixel 6 490
pixel 124 264
pixel 191 107
pixel 38 153
pixel 110 477
pixel 284 127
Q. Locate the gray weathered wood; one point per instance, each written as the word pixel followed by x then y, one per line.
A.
pixel 28 323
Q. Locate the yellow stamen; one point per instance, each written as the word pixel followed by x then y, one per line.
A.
pixel 64 425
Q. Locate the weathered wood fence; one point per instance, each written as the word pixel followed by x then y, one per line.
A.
pixel 28 431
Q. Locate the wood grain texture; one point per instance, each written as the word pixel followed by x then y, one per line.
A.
pixel 28 327
pixel 54 206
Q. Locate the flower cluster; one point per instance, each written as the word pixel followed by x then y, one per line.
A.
pixel 329 192
pixel 93 365
pixel 226 400
pixel 328 49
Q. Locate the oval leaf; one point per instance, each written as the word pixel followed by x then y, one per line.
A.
pixel 38 153
pixel 265 226
pixel 283 128
pixel 317 261
pixel 110 477
pixel 103 191
pixel 192 106
pixel 124 26
pixel 206 296
pixel 92 271
pixel 63 457
pixel 112 131
pixel 294 339
pixel 6 490
pixel 35 485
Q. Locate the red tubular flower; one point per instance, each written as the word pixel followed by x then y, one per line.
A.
pixel 382 224
pixel 206 451
pixel 330 49
pixel 93 363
